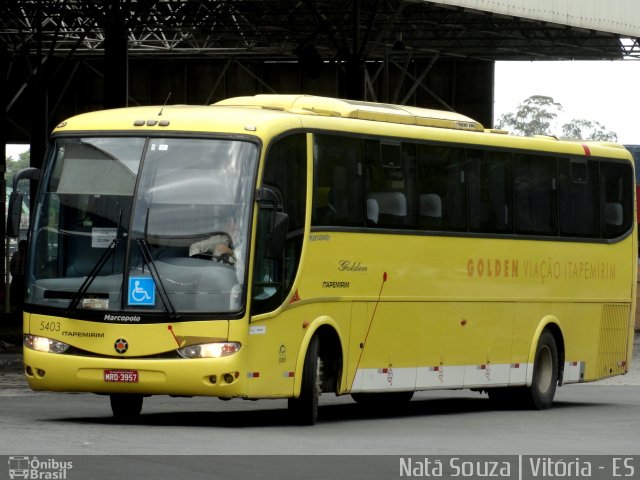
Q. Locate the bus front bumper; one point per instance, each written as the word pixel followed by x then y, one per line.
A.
pixel 218 377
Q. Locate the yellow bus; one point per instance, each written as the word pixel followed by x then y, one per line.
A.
pixel 282 246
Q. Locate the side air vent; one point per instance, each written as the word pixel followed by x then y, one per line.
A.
pixel 614 335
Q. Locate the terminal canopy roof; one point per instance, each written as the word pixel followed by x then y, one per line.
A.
pixel 331 30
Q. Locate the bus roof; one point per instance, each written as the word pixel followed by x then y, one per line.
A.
pixel 178 118
pixel 334 107
pixel 273 114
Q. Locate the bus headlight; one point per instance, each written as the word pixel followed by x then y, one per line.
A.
pixel 209 350
pixel 42 344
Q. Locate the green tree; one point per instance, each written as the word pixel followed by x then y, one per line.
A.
pixel 535 115
pixel 13 166
pixel 532 117
pixel 588 130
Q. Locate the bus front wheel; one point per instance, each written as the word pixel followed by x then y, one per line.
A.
pixel 304 409
pixel 126 407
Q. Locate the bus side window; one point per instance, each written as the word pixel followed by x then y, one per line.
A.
pixel 535 195
pixel 390 172
pixel 337 187
pixel 616 201
pixel 285 173
pixel 579 198
pixel 441 186
pixel 490 191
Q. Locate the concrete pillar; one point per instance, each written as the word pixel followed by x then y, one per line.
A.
pixel 473 90
pixel 354 76
pixel 354 80
pixel 116 57
pixel 39 99
pixel 38 102
pixel 4 67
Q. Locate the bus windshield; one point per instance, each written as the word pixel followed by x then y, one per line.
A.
pixel 143 224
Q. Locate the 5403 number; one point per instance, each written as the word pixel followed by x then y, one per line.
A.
pixel 50 326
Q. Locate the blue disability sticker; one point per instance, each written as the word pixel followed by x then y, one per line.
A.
pixel 142 291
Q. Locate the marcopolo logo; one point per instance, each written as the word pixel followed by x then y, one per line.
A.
pixel 122 318
pixel 38 469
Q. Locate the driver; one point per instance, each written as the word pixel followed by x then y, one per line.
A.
pixel 219 246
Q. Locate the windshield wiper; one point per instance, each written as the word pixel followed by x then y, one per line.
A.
pixel 77 296
pixel 153 270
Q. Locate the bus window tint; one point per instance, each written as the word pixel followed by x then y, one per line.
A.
pixel 535 195
pixel 390 173
pixel 442 196
pixel 337 190
pixel 285 173
pixel 490 191
pixel 616 180
pixel 578 198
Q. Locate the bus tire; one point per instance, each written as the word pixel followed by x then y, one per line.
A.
pixel 126 406
pixel 304 409
pixel 539 395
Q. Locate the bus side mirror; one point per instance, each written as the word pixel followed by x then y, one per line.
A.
pixel 277 235
pixel 271 203
pixel 14 211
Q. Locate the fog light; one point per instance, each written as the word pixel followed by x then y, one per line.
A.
pixel 228 378
pixel 213 379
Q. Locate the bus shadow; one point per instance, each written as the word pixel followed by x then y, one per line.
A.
pixel 429 408
pixel 331 413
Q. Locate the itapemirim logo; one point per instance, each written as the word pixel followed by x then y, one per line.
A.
pixel 33 468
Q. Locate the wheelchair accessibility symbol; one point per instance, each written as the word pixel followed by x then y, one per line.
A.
pixel 142 291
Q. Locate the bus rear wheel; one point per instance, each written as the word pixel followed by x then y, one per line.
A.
pixel 304 409
pixel 538 396
pixel 545 374
pixel 126 406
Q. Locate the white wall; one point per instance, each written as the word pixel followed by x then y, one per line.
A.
pixel 614 16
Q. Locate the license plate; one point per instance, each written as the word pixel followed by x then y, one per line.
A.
pixel 121 376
